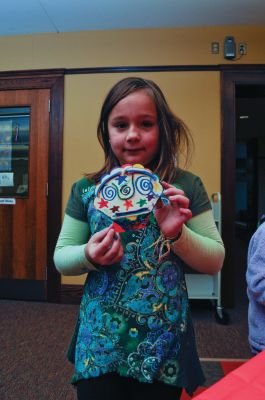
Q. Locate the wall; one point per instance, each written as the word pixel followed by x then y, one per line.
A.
pixel 184 46
pixel 193 95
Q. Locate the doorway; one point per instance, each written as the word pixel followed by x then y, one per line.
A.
pixel 31 105
pixel 242 180
pixel 250 171
pixel 250 158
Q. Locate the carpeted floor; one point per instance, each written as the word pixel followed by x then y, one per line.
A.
pixel 33 341
pixel 34 337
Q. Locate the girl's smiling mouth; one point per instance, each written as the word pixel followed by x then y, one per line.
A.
pixel 134 150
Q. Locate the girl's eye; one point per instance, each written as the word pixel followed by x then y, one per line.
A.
pixel 147 124
pixel 120 125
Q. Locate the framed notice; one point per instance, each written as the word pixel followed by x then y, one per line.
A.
pixel 5 145
pixel 6 179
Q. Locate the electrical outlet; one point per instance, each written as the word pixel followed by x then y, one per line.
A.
pixel 242 49
pixel 215 47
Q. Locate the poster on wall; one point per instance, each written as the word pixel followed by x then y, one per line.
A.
pixel 5 145
pixel 6 179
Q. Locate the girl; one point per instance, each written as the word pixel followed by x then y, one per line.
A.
pixel 134 331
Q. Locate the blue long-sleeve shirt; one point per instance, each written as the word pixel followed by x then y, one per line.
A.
pixel 256 290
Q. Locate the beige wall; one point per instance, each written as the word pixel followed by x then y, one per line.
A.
pixel 194 96
pixel 127 47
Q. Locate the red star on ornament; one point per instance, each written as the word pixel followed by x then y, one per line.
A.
pixel 128 204
pixel 115 209
pixel 103 203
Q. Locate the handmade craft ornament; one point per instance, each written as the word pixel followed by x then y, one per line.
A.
pixel 127 192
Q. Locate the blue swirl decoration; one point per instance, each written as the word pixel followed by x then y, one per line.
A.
pixel 144 185
pixel 109 192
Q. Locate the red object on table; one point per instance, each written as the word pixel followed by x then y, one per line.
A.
pixel 246 382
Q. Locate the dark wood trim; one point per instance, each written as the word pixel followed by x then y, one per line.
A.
pixel 131 69
pixel 254 75
pixel 53 80
pixel 143 68
pixel 228 187
pixel 165 68
pixel 55 185
pixel 258 68
pixel 71 294
pixel 108 70
pixel 31 73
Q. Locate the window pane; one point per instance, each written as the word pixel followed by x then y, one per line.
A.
pixel 14 151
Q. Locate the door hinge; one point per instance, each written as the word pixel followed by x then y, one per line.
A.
pixel 49 105
pixel 47 189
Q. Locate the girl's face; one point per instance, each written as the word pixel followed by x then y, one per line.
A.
pixel 133 129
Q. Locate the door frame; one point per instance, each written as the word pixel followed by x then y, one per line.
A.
pixel 230 78
pixel 53 80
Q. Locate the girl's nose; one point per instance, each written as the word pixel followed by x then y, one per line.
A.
pixel 133 135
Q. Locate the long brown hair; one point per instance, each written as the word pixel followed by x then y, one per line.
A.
pixel 175 137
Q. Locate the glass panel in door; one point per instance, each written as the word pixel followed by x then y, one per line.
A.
pixel 14 151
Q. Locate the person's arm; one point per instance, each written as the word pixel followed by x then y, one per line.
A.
pixel 69 254
pixel 200 245
pixel 256 266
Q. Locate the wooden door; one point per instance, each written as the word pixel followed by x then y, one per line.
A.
pixel 23 204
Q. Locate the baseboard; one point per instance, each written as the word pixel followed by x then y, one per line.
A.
pixel 23 289
pixel 71 294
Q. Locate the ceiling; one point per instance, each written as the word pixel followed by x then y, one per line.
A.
pixel 18 17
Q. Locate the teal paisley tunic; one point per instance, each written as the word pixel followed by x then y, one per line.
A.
pixel 134 315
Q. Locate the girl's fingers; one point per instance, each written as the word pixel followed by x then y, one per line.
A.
pixel 104 246
pixel 108 241
pixel 186 212
pixel 114 258
pixel 114 253
pixel 99 236
pixel 180 201
pixel 172 190
pixel 167 187
pixel 113 248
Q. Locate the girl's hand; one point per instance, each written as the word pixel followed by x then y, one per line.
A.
pixel 104 247
pixel 172 216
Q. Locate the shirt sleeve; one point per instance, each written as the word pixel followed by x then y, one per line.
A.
pixel 199 198
pixel 75 207
pixel 256 266
pixel 194 189
pixel 200 245
pixel 69 255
